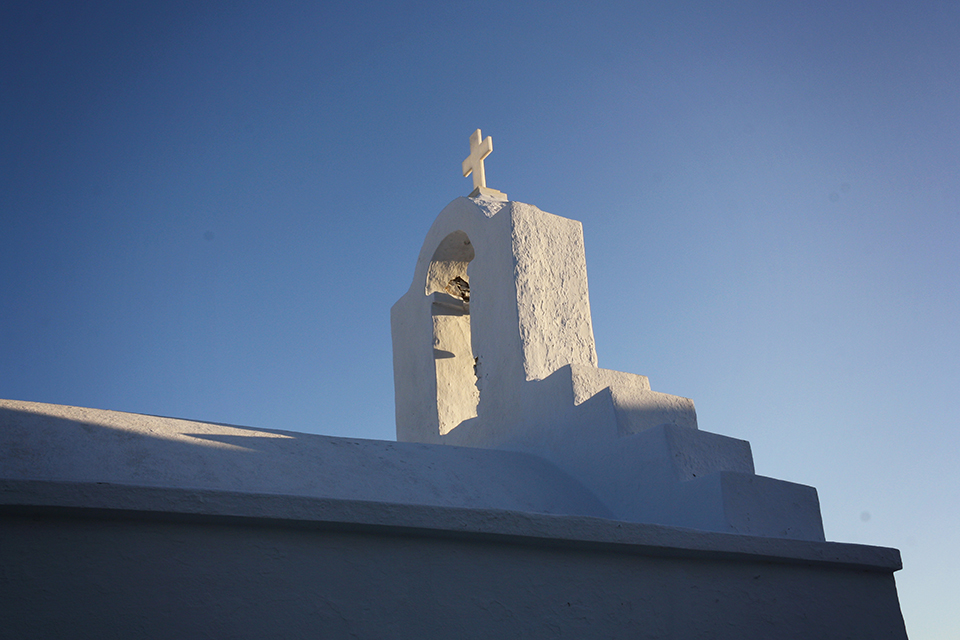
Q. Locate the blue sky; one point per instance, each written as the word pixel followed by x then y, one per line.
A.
pixel 209 208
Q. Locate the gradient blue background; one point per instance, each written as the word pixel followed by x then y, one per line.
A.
pixel 208 209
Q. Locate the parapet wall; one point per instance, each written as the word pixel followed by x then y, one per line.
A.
pixel 93 560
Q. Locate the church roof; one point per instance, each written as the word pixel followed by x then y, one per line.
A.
pixel 72 444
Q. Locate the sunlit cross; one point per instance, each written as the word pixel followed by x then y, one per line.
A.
pixel 480 148
pixel 474 162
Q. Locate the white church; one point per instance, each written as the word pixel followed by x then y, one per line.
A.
pixel 529 494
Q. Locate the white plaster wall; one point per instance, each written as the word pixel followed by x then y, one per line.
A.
pixel 454 364
pixel 78 561
pixel 552 296
pixel 540 390
pixel 529 310
pixel 645 477
pixel 124 525
pixel 55 442
pixel 529 317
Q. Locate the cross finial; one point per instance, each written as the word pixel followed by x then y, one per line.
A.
pixel 480 148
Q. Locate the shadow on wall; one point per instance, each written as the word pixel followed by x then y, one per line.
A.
pixel 56 442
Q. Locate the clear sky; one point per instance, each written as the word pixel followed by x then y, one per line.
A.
pixel 208 209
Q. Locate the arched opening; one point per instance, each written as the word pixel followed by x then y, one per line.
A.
pixel 449 287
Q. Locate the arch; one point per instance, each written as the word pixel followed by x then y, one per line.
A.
pixel 449 261
pixel 448 284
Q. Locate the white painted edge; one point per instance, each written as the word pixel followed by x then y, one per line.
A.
pixel 113 501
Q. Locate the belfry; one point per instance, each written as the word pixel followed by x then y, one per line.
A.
pixel 514 366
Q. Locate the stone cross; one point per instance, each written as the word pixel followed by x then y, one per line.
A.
pixel 474 162
pixel 480 148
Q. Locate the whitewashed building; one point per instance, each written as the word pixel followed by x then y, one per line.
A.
pixel 530 493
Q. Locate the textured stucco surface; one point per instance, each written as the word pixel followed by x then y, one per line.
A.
pixel 516 369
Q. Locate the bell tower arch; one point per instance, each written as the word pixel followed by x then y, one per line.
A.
pixel 448 286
